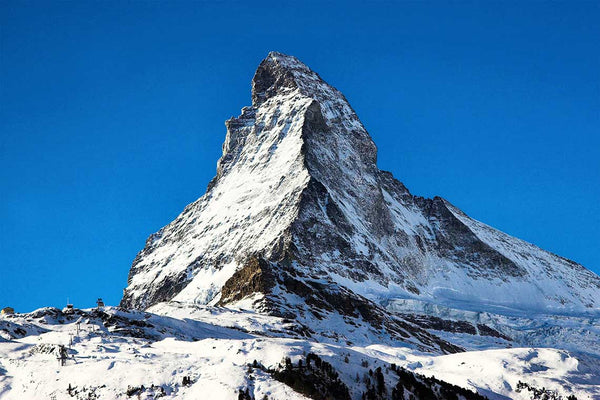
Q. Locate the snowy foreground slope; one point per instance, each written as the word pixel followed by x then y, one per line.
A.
pixel 306 272
pixel 118 354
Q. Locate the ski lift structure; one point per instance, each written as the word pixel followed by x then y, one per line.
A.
pixel 69 309
pixel 62 355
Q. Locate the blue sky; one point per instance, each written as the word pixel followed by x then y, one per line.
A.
pixel 112 118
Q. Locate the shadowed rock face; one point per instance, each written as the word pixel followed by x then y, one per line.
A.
pixel 299 210
pixel 269 80
pixel 255 276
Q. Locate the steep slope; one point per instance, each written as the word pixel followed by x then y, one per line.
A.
pixel 300 219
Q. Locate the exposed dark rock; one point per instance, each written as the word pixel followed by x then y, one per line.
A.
pixel 254 277
pixel 485 330
pixel 439 324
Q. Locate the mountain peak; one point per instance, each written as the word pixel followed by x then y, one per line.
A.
pixel 298 188
pixel 286 61
pixel 277 73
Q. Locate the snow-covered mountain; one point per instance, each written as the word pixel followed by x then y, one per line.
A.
pixel 306 272
pixel 299 208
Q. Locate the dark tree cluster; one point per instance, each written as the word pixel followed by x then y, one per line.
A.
pixel 88 393
pixel 421 387
pixel 317 379
pixel 245 394
pixel 313 377
pixel 543 393
pixel 157 391
pixel 375 383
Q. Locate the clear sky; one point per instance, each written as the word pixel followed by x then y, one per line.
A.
pixel 112 119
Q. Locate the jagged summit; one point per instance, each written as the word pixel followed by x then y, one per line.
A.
pixel 300 222
pixel 276 73
pixel 279 73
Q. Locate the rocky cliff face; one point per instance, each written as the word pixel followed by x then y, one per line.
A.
pixel 300 221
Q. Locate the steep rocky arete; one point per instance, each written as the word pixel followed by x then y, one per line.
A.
pixel 299 222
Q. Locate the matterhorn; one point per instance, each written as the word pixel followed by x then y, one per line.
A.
pixel 305 271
